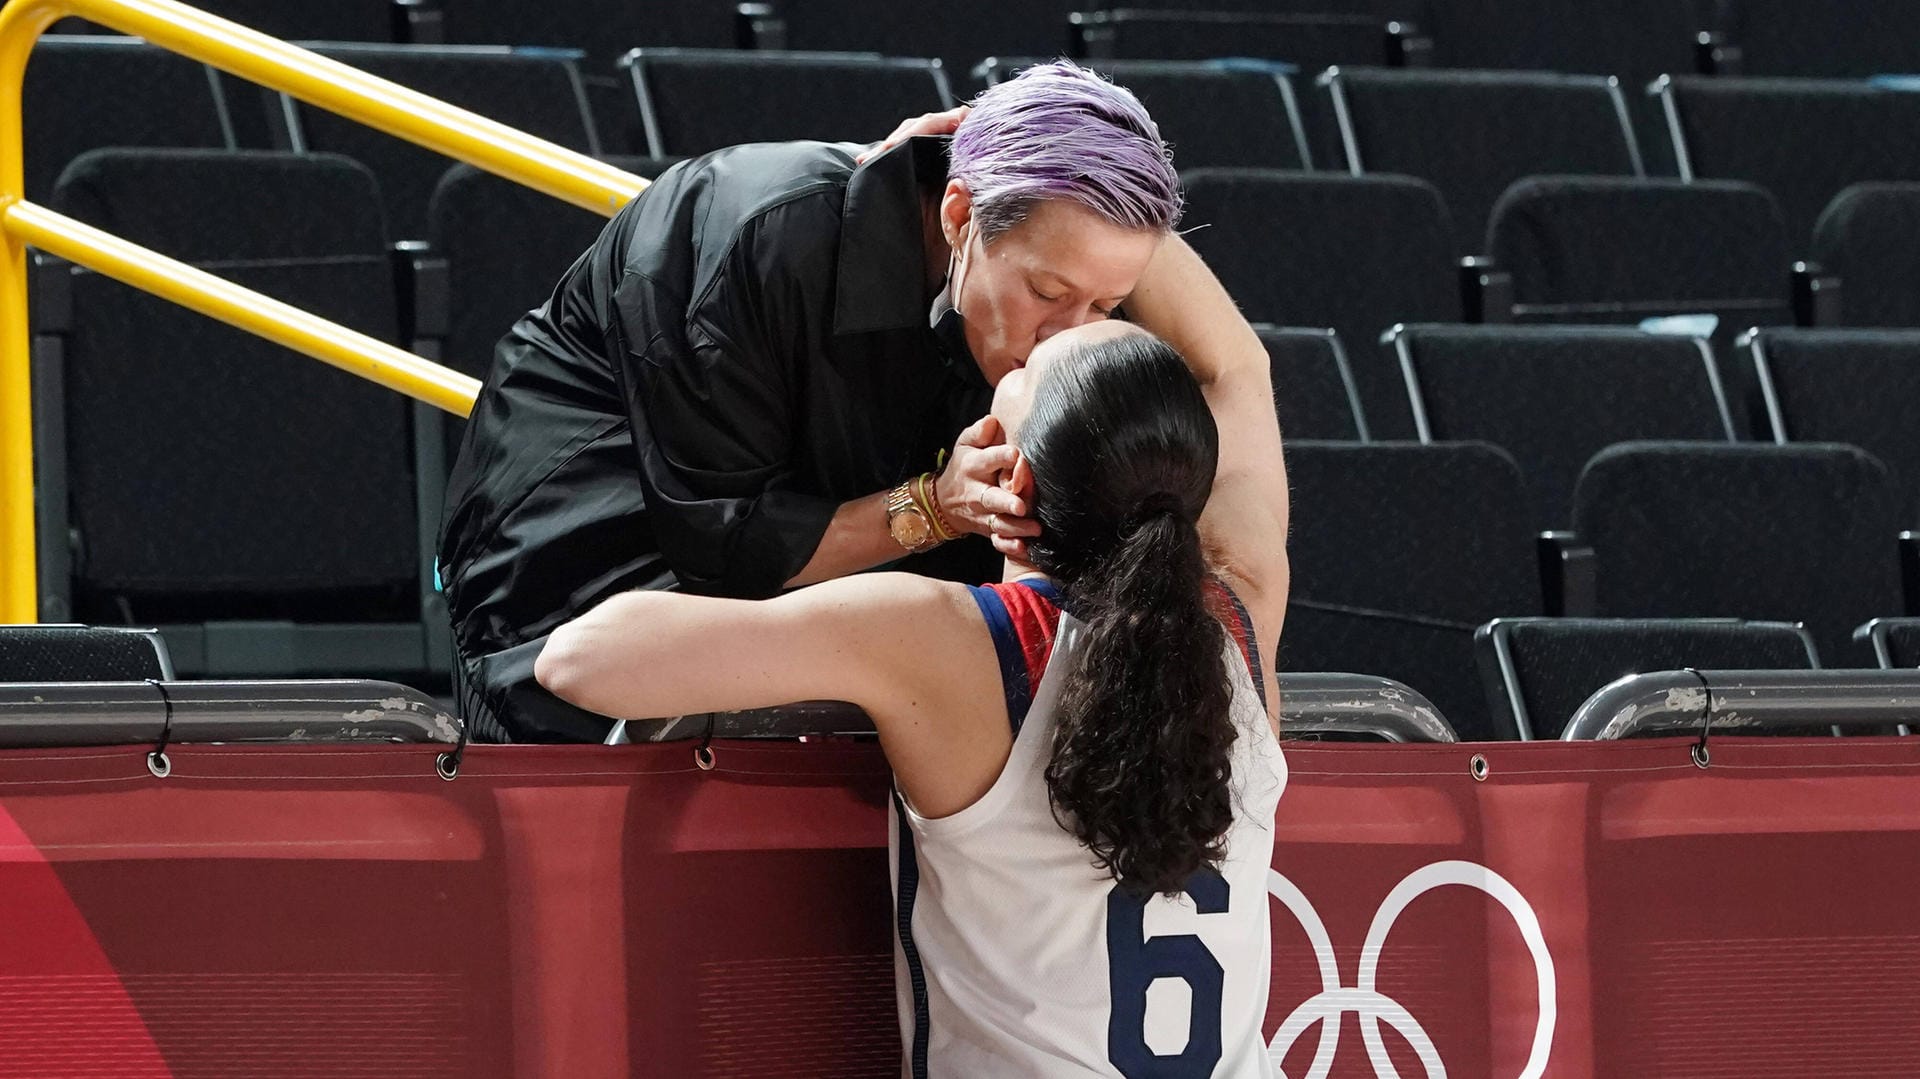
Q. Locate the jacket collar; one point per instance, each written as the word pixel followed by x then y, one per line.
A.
pixel 880 282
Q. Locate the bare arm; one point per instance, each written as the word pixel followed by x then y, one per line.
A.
pixel 650 655
pixel 1246 519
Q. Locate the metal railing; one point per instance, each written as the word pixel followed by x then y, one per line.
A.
pixel 256 57
pixel 1311 706
pixel 54 714
pixel 1747 702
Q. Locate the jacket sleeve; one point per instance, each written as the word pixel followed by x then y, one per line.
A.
pixel 711 391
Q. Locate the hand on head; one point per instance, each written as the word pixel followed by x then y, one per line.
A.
pixel 932 123
pixel 985 488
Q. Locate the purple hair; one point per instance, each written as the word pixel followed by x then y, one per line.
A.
pixel 1059 131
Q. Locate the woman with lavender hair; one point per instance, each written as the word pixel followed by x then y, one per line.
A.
pixel 767 371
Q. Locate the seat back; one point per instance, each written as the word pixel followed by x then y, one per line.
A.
pixel 85 92
pixel 1357 254
pixel 1865 235
pixel 81 654
pixel 1473 133
pixel 211 474
pixel 1555 396
pixel 1211 114
pixel 1313 390
pixel 1802 139
pixel 538 91
pixel 1854 386
pixel 1695 530
pixel 1398 552
pixel 1866 37
pixel 1310 41
pixel 1539 671
pixel 696 100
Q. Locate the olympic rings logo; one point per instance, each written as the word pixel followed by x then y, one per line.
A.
pixel 1335 999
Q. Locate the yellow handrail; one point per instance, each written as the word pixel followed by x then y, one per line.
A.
pixel 327 84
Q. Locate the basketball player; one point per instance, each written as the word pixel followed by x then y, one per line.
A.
pixel 1102 820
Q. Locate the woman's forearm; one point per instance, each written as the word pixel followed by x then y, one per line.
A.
pixel 856 539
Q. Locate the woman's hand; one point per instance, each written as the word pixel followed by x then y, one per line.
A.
pixel 977 491
pixel 931 123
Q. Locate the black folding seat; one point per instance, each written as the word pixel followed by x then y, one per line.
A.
pixel 539 92
pixel 85 92
pixel 1554 396
pixel 1805 533
pixel 211 477
pixel 1856 386
pixel 1211 114
pixel 605 31
pixel 334 20
pixel 1895 641
pixel 1313 389
pixel 1309 41
pixel 1866 238
pixel 961 35
pixel 1539 671
pixel 1597 249
pixel 1802 139
pixel 1851 40
pixel 57 653
pixel 1473 133
pixel 696 100
pixel 1355 253
pixel 1399 552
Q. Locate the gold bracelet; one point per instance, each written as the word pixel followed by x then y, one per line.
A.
pixel 931 506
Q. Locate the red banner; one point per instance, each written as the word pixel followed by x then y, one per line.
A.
pixel 1584 909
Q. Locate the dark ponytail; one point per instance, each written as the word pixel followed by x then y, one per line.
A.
pixel 1123 448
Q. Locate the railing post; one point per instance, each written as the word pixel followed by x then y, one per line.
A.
pixel 21 23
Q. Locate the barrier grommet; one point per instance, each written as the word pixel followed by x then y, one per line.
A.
pixel 1701 757
pixel 703 756
pixel 159 764
pixel 1478 768
pixel 447 766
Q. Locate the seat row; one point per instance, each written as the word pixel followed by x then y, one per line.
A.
pixel 1472 134
pixel 1628 37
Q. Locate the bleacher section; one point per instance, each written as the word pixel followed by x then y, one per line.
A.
pixel 1392 181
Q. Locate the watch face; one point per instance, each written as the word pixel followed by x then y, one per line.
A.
pixel 910 528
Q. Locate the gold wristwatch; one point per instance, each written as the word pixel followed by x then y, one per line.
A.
pixel 911 527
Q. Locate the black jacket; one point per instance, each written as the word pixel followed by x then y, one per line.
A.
pixel 744 348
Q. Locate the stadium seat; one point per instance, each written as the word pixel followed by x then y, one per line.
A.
pixel 1355 253
pixel 1598 249
pixel 1399 552
pixel 537 91
pixel 212 477
pixel 1554 396
pixel 961 35
pixel 1802 139
pixel 1865 238
pixel 334 20
pixel 85 92
pixel 694 100
pixel 1312 385
pixel 1895 641
pixel 1211 114
pixel 1855 40
pixel 1636 39
pixel 1539 671
pixel 605 31
pixel 1805 533
pixel 1472 134
pixel 55 653
pixel 1856 386
pixel 1308 41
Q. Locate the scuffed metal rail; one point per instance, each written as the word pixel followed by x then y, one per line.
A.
pixel 57 714
pixel 1734 702
pixel 1311 705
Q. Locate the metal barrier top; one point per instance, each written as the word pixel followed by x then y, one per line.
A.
pixel 1733 702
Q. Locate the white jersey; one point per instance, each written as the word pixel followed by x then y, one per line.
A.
pixel 1014 956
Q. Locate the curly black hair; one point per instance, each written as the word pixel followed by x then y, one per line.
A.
pixel 1123 449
